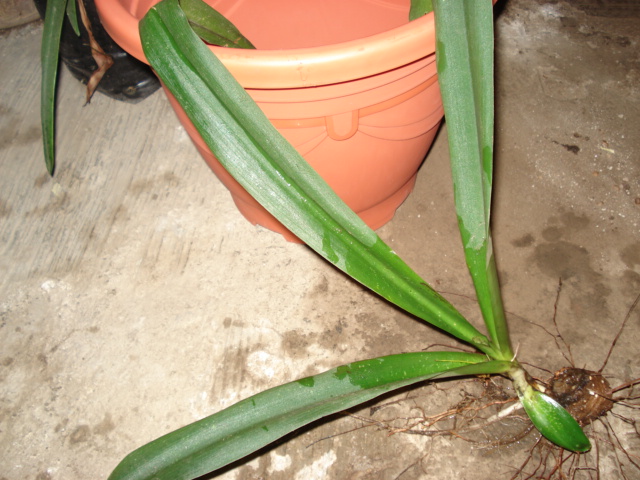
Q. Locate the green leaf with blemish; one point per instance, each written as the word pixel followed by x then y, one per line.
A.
pixel 464 58
pixel 213 27
pixel 419 8
pixel 243 428
pixel 275 174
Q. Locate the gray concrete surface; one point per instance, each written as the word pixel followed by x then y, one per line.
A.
pixel 135 299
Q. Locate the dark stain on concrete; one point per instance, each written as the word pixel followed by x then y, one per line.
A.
pixel 561 259
pixel 105 426
pixel 630 255
pixel 158 184
pixel 574 222
pixel 5 209
pixel 524 241
pixel 80 435
pixel 41 180
pixel 609 9
pixel 320 289
pixel 13 134
pixel 565 224
pixel 575 149
pixel 552 234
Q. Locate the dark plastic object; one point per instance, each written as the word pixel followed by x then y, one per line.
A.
pixel 127 79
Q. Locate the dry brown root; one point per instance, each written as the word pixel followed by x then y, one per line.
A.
pixel 488 416
pixel 588 396
pixel 612 457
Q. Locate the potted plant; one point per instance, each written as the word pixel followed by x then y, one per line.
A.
pixel 354 91
pixel 260 159
pixel 90 55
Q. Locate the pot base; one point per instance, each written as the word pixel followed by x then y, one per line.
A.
pixel 375 217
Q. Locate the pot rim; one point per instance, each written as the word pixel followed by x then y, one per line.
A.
pixel 294 68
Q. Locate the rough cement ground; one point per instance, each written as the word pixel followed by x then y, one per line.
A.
pixel 135 299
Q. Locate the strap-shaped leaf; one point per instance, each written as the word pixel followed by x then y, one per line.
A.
pixel 72 15
pixel 49 55
pixel 213 27
pixel 272 171
pixel 419 8
pixel 464 56
pixel 243 428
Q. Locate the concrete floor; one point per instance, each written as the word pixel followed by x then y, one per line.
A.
pixel 134 298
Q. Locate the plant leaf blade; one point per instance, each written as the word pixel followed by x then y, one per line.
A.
pixel 464 56
pixel 213 27
pixel 72 15
pixel 49 55
pixel 548 416
pixel 419 8
pixel 250 424
pixel 554 422
pixel 273 172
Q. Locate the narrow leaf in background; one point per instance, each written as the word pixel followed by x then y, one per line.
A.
pixel 49 55
pixel 72 15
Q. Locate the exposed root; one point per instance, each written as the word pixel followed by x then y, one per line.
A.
pixel 588 396
pixel 489 416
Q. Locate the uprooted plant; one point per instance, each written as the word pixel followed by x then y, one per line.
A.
pixel 489 416
pixel 269 168
pixel 589 397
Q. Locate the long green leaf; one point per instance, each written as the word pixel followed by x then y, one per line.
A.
pixel 464 56
pixel 272 171
pixel 245 427
pixel 49 55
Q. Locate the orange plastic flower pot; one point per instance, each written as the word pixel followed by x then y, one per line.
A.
pixel 350 83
